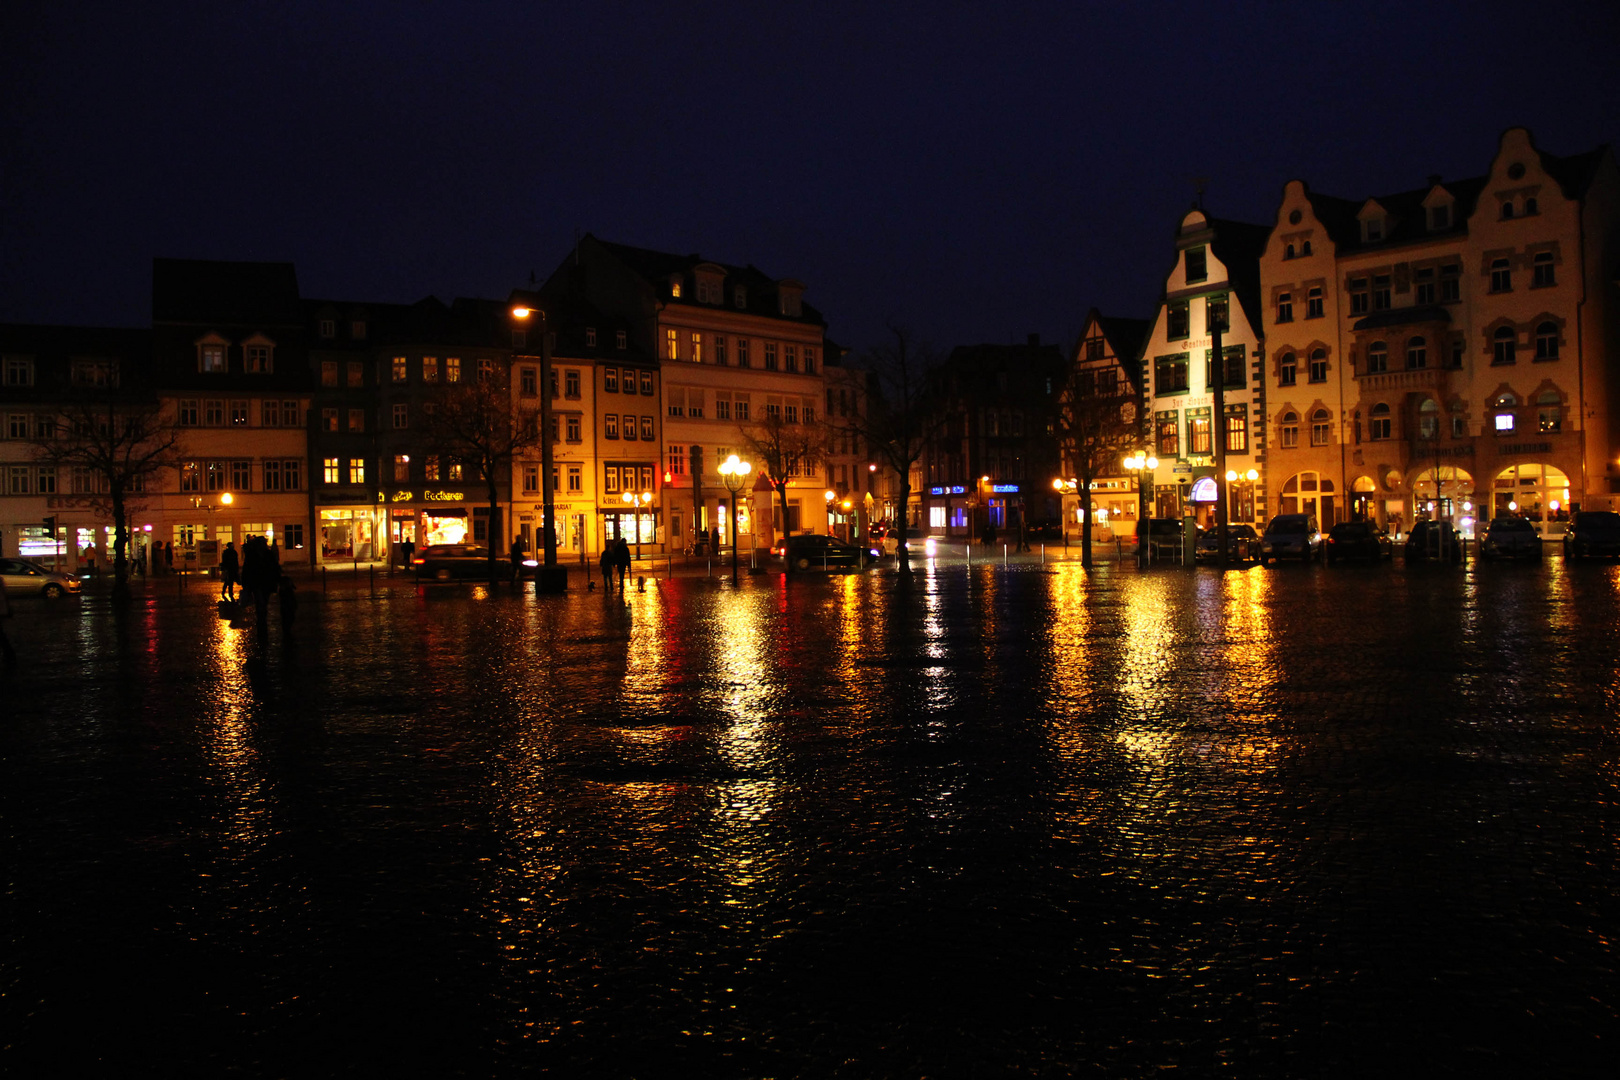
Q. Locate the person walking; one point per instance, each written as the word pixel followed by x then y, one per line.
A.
pixel 168 557
pixel 621 559
pixel 714 540
pixel 259 577
pixel 609 556
pixel 230 568
pixel 517 558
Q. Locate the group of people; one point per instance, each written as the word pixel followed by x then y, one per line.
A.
pixel 257 569
pixel 615 556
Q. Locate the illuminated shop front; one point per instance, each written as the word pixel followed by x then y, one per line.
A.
pixel 1535 491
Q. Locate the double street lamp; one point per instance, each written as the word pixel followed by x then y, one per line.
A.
pixel 733 473
pixel 638 499
pixel 1142 465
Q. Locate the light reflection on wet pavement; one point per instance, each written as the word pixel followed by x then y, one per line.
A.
pixel 1272 823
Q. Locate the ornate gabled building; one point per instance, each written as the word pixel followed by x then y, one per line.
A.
pixel 1450 350
pixel 1100 413
pixel 1216 277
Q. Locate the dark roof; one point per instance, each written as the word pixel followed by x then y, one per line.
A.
pixel 1125 335
pixel 54 346
pixel 971 369
pixel 655 268
pixel 1403 317
pixel 225 293
pixel 1239 246
pixel 1574 173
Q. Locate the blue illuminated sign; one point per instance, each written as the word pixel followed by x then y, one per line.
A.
pixel 1003 489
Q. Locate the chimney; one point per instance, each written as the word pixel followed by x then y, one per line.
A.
pixel 1434 179
pixel 1034 341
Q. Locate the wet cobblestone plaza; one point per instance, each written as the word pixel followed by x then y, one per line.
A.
pixel 1026 821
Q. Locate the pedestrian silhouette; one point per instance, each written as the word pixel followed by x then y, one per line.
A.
pixel 606 562
pixel 621 559
pixel 230 567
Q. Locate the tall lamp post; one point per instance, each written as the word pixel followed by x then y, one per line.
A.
pixel 638 499
pixel 1141 464
pixel 733 472
pixel 1067 487
pixel 548 576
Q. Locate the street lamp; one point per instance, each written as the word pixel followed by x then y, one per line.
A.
pixel 548 576
pixel 1065 488
pixel 1141 464
pixel 733 472
pixel 638 500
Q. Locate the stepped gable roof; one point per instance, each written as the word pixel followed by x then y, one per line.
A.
pixel 225 293
pixel 657 267
pixel 1239 245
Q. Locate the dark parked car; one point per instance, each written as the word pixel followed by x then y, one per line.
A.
pixel 1358 540
pixel 1242 544
pixel 1510 538
pixel 1164 537
pixel 1291 536
pixel 812 551
pixel 1592 532
pixel 1434 540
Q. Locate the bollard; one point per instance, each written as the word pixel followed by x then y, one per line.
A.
pixel 669 569
pixel 371 572
pixel 1003 555
pixel 1043 554
pixel 323 577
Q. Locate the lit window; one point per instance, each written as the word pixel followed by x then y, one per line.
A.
pixel 357 470
pixel 672 343
pixel 452 369
pixel 697 347
pixel 329 471
pixel 256 358
pixel 430 369
pixel 211 358
pixel 399 369
pixel 430 468
pixel 402 468
pixel 1504 423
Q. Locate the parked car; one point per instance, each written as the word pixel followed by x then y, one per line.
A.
pixel 1433 540
pixel 1163 537
pixel 446 561
pixel 1510 538
pixel 1358 540
pixel 1291 536
pixel 813 551
pixel 1242 545
pixel 1591 532
pixel 24 578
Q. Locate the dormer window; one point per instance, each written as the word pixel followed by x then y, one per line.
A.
pixel 790 304
pixel 1439 218
pixel 675 288
pixel 590 337
pixel 740 296
pixel 1197 265
pixel 328 328
pixel 211 355
pixel 1372 230
pixel 357 329
pixel 620 341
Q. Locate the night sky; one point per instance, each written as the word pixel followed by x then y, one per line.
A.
pixel 974 172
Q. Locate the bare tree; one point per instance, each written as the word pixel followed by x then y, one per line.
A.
pixel 899 417
pixel 782 451
pixel 478 425
pixel 118 448
pixel 1097 425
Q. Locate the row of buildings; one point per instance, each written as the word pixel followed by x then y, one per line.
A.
pixel 1446 350
pixel 313 421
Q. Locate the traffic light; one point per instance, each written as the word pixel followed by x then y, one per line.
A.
pixel 50 526
pixel 697 460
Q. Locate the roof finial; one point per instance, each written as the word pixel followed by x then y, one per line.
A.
pixel 1199 184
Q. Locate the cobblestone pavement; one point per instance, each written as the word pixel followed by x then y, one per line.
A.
pixel 1015 820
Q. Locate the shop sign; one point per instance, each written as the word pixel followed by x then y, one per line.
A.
pixel 443 496
pixel 1182 468
pixel 1004 489
pixel 1203 490
pixel 1525 448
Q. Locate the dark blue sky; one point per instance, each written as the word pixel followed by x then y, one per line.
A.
pixel 975 172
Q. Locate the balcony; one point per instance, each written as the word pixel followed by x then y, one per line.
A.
pixel 1433 379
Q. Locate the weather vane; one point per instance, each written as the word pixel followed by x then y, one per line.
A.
pixel 1199 184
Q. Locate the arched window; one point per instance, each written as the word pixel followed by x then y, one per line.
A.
pixel 1306 249
pixel 1429 419
pixel 1377 358
pixel 1321 427
pixel 1288 252
pixel 1550 411
pixel 1507 209
pixel 1417 352
pixel 1504 345
pixel 1547 341
pixel 1530 206
pixel 1287 369
pixel 1379 424
pixel 1501 276
pixel 1289 429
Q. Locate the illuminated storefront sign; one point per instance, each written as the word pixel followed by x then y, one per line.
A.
pixel 1203 490
pixel 1004 489
pixel 957 490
